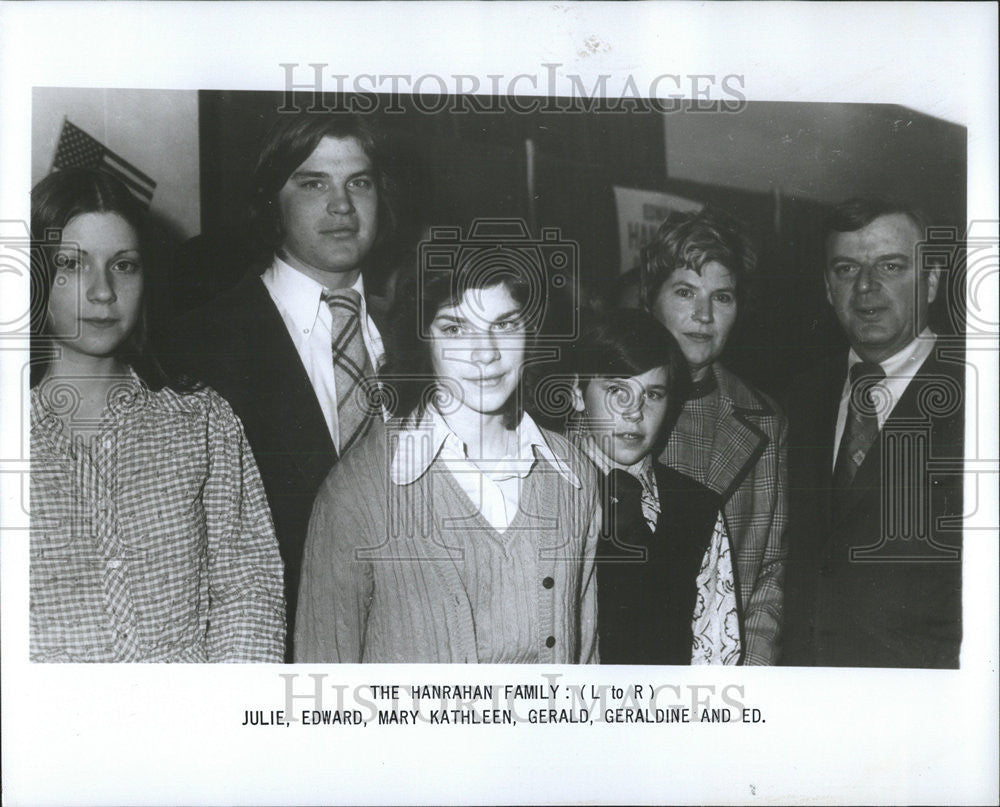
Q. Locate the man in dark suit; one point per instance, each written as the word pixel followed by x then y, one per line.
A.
pixel 294 346
pixel 875 447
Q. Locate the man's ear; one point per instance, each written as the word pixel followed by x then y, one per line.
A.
pixel 933 282
pixel 577 395
pixel 828 252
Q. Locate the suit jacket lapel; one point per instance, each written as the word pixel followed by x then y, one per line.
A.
pixel 378 310
pixel 866 481
pixel 286 394
pixel 829 401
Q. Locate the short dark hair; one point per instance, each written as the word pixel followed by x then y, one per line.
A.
pixel 691 240
pixel 858 212
pixel 55 201
pixel 287 144
pixel 408 371
pixel 626 342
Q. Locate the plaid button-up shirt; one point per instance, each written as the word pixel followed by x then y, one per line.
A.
pixel 152 541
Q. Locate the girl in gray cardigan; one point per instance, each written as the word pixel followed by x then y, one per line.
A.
pixel 460 531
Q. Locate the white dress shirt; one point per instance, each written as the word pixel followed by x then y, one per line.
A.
pixel 493 486
pixel 298 299
pixel 900 368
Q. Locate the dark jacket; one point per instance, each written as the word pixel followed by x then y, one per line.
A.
pixel 239 346
pixel 646 580
pixel 877 581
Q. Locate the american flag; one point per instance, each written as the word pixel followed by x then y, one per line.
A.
pixel 77 149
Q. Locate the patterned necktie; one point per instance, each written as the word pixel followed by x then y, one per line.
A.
pixel 350 365
pixel 861 427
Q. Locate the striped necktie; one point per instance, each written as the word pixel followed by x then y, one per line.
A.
pixel 350 366
pixel 861 427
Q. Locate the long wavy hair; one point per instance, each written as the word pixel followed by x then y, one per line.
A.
pixel 55 202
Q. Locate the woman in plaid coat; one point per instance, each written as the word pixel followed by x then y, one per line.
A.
pixel 729 437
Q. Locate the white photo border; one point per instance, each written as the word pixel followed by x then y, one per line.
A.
pixel 150 734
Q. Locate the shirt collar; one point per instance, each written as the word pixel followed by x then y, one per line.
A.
pixel 420 444
pixel 300 295
pixel 906 361
pixel 642 470
pixel 707 385
pixel 532 444
pixel 130 392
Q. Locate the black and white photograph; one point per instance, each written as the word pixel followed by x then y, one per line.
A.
pixel 471 427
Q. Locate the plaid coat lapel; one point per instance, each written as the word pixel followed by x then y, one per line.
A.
pixel 746 468
pixel 739 439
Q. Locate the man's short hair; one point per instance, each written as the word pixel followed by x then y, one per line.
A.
pixel 860 211
pixel 287 144
pixel 691 240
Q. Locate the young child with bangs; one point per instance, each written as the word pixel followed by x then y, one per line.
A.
pixel 665 579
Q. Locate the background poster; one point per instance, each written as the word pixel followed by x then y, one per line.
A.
pixel 148 734
pixel 639 214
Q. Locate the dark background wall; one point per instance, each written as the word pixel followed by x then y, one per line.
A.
pixel 777 166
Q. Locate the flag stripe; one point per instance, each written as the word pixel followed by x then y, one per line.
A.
pixel 145 192
pixel 76 148
pixel 148 181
